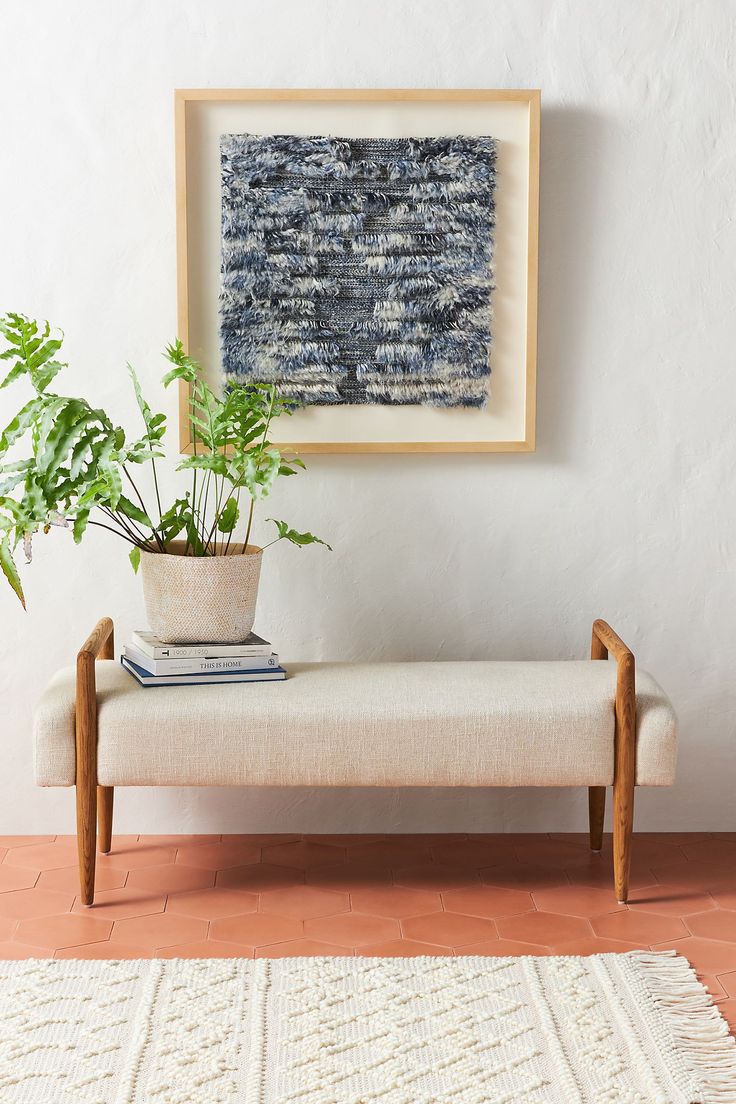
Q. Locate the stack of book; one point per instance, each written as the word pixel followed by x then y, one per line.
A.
pixel 155 663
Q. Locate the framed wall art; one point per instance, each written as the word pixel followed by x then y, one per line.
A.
pixel 374 253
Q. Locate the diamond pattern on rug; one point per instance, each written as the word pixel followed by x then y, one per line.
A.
pixel 404 1030
pixel 63 1036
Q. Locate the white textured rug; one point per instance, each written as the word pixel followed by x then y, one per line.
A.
pixel 630 1029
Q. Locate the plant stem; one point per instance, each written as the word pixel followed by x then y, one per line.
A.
pixel 237 511
pixel 194 472
pixel 155 484
pixel 269 416
pixel 125 523
pixel 159 542
pixel 250 522
pixel 213 448
pixel 219 489
pixel 117 532
pixel 211 532
pixel 203 508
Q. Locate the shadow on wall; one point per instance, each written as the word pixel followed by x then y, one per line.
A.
pixel 573 160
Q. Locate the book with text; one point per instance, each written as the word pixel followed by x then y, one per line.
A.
pixel 145 678
pixel 199 665
pixel 151 646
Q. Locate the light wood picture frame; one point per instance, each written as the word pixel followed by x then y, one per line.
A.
pixel 510 115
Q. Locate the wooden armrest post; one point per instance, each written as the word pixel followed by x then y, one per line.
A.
pixel 99 644
pixel 606 641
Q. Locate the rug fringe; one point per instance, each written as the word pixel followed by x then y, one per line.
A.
pixel 701 1035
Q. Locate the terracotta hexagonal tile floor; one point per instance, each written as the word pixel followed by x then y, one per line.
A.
pixel 259 877
pixel 303 854
pixel 522 875
pixel 638 927
pixel 121 904
pixel 349 876
pixel 449 929
pixel 277 895
pixel 474 853
pixel 32 903
pixel 671 900
pixel 12 878
pixel 304 902
pixel 256 929
pixel 13 948
pixel 728 984
pixel 708 956
pixel 170 878
pixel 159 929
pixel 548 929
pixel 436 876
pixel 213 903
pixel 299 947
pixel 488 901
pixel 64 930
pixel 219 855
pixel 43 856
pixel 398 851
pixel 717 924
pixel 208 948
pixel 107 948
pixel 725 895
pixel 395 901
pixel 577 900
pixel 66 878
pixel 7 928
pixel 352 929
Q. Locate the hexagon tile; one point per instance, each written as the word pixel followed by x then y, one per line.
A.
pixel 270 895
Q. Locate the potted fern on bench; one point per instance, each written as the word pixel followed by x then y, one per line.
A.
pixel 78 469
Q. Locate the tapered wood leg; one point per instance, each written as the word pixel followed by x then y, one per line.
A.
pixel 105 796
pixel 605 640
pixel 596 813
pixel 624 776
pixel 100 642
pixel 86 738
pixel 86 810
pixel 623 824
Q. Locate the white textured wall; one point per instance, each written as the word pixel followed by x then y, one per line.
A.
pixel 627 509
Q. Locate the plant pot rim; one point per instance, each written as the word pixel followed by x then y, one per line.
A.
pixel 175 551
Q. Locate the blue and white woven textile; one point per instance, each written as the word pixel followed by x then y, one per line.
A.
pixel 359 270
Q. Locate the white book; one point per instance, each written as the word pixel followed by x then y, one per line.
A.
pixel 199 666
pixel 274 674
pixel 151 646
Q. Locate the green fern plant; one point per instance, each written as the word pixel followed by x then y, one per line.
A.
pixel 78 467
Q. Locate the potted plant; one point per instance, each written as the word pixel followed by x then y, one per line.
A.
pixel 200 576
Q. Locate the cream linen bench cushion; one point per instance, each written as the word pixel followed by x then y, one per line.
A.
pixel 362 724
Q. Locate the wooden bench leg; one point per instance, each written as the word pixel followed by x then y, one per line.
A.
pixel 86 836
pixel 99 643
pixel 86 739
pixel 105 797
pixel 624 777
pixel 623 824
pixel 604 641
pixel 596 813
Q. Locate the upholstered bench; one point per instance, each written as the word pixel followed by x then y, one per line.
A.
pixel 475 723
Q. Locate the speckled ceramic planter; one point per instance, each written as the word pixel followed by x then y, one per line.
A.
pixel 195 599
